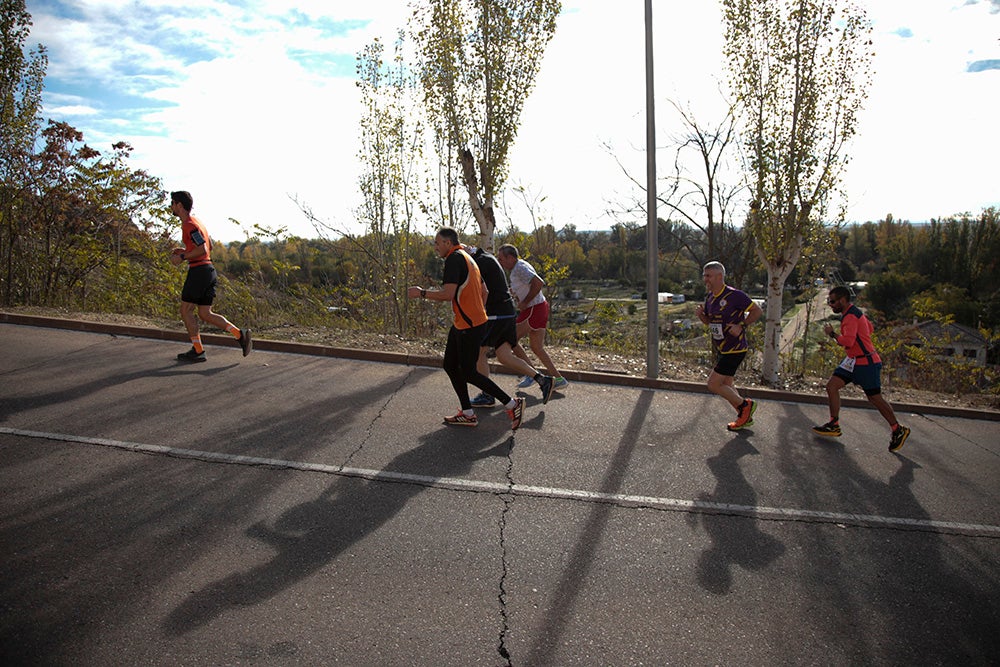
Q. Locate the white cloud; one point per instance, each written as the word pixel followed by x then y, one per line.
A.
pixel 925 143
pixel 243 105
pixel 72 111
pixel 242 131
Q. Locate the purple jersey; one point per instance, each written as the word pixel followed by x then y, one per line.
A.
pixel 726 308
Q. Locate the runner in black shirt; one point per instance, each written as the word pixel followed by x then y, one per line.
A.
pixel 501 329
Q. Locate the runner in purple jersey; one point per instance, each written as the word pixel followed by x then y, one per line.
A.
pixel 728 312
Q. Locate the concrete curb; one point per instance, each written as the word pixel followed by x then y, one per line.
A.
pixel 435 362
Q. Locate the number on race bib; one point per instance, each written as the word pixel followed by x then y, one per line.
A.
pixel 848 364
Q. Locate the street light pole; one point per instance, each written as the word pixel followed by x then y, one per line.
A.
pixel 652 244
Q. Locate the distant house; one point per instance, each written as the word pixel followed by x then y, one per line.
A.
pixel 950 341
pixel 669 297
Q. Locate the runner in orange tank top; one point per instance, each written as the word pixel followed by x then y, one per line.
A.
pixel 199 285
pixel 461 285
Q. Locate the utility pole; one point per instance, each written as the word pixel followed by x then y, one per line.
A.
pixel 652 244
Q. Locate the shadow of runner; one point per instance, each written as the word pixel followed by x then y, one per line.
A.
pixel 735 540
pixel 312 534
pixel 928 590
pixel 883 596
pixel 582 559
pixel 92 543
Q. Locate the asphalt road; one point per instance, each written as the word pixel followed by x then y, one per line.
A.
pixel 288 509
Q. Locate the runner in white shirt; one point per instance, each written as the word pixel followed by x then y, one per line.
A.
pixel 533 310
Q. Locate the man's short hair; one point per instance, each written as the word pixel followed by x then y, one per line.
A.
pixel 185 199
pixel 508 250
pixel 449 234
pixel 715 266
pixel 840 292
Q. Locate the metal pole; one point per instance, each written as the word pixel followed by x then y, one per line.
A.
pixel 652 245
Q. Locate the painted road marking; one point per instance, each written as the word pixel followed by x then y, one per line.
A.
pixel 479 486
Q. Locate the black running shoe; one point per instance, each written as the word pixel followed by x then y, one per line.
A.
pixel 192 357
pixel 547 385
pixel 830 429
pixel 245 341
pixel 899 437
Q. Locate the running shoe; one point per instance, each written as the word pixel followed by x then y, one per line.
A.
pixel 547 385
pixel 245 341
pixel 462 419
pixel 525 382
pixel 899 437
pixel 745 416
pixel 561 383
pixel 483 400
pixel 831 429
pixel 516 413
pixel 192 356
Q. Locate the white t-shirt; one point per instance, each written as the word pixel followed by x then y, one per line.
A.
pixel 520 282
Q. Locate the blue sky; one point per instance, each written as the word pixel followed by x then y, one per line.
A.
pixel 247 103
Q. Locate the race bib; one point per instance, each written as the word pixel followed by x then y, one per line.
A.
pixel 716 331
pixel 848 364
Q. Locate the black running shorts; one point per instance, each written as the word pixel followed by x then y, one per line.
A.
pixel 499 331
pixel 727 364
pixel 199 286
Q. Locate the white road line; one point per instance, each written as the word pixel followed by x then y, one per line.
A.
pixel 478 486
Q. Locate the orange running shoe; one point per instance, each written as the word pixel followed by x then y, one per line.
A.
pixel 745 416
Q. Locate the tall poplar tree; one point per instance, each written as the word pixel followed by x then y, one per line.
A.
pixel 479 60
pixel 392 137
pixel 800 70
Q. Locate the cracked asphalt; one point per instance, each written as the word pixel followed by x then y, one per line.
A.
pixel 289 509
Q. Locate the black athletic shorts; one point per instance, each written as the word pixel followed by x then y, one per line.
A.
pixel 726 364
pixel 199 286
pixel 499 331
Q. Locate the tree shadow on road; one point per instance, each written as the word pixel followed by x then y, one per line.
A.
pixel 581 561
pixel 13 404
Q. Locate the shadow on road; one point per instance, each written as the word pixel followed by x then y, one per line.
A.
pixel 582 559
pixel 312 534
pixel 736 541
pixel 926 587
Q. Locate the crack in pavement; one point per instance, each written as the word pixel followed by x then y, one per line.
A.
pixel 371 425
pixel 508 500
pixel 940 424
pixel 759 513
